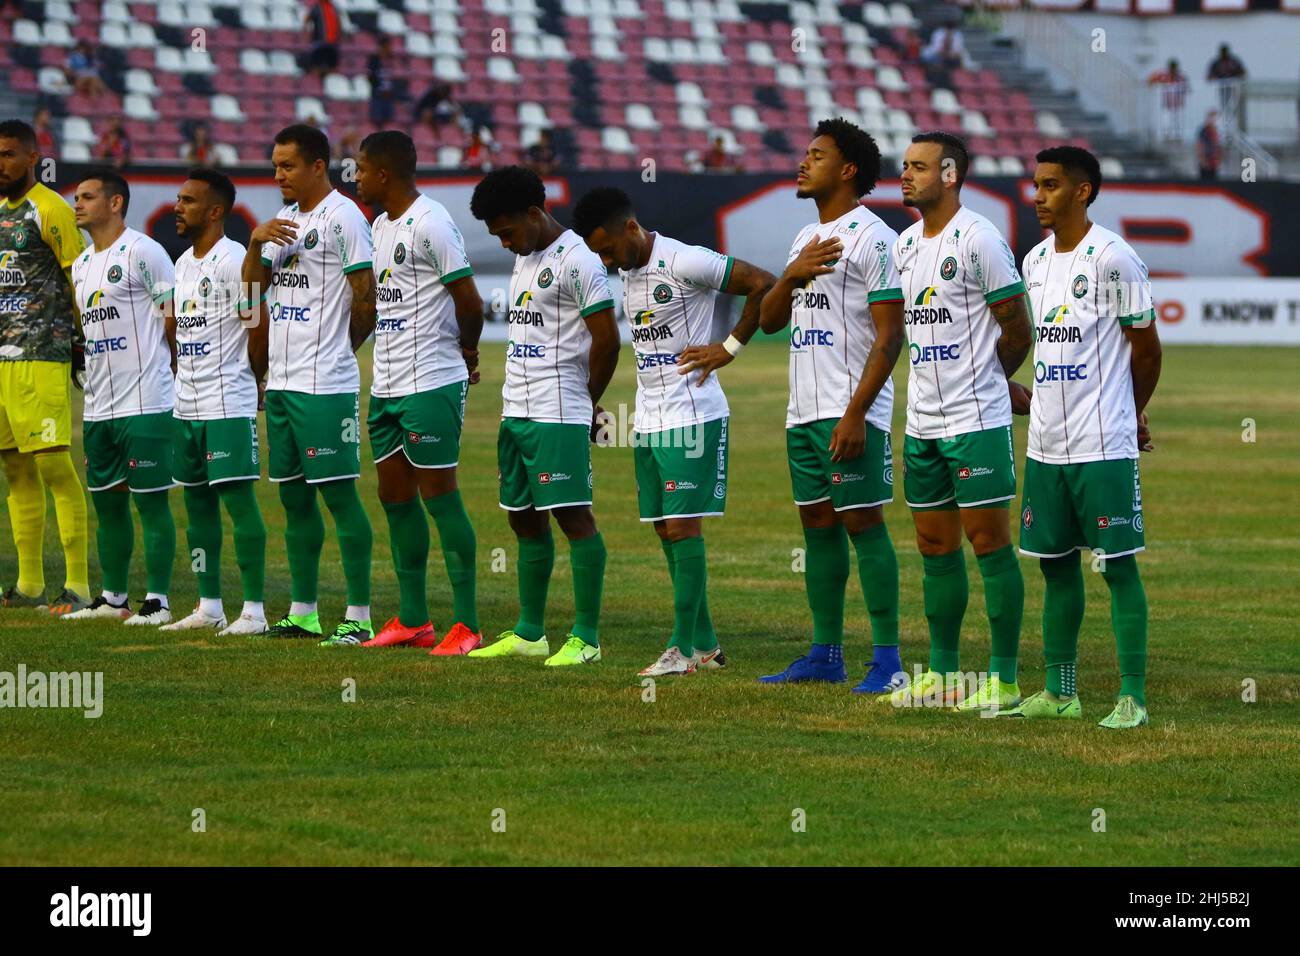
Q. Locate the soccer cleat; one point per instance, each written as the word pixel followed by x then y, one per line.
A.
pixel 805 670
pixel 994 694
pixel 574 651
pixel 671 662
pixel 510 644
pixel 151 612
pixel 878 681
pixel 1127 715
pixel 16 598
pixel 460 640
pixel 1046 705
pixel 396 634
pixel 349 634
pixel 196 621
pixel 246 626
pixel 100 608
pixel 928 690
pixel 295 626
pixel 68 602
pixel 713 660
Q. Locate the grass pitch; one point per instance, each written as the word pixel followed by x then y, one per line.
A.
pixel 576 767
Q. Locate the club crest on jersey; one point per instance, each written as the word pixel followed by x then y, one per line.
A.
pixel 1080 286
pixel 546 278
pixel 1027 519
pixel 399 254
pixel 20 238
pixel 663 293
pixel 948 269
pixel 205 287
pixel 313 238
pixel 115 273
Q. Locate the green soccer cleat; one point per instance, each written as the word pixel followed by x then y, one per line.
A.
pixel 510 644
pixel 1128 713
pixel 574 651
pixel 994 694
pixel 928 690
pixel 294 626
pixel 16 598
pixel 349 634
pixel 1046 705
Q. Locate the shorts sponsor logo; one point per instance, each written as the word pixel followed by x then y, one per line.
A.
pixel 934 353
pixel 889 474
pixel 1080 286
pixel 1059 373
pixel 1137 522
pixel 218 455
pixel 680 486
pixel 546 278
pixel 1111 521
pixel 963 473
pixel 949 268
pixel 979 471
pixel 1027 518
pixel 720 490
pixel 141 463
pixel 840 478
pixel 415 438
pixel 550 477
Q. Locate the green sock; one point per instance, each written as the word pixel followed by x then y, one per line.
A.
pixel 250 536
pixel 536 561
pixel 1128 618
pixel 356 539
pixel 203 534
pixel 587 559
pixel 114 537
pixel 460 552
pixel 946 593
pixel 690 577
pixel 826 573
pixel 1004 600
pixel 706 638
pixel 304 536
pixel 158 529
pixel 878 572
pixel 1063 603
pixel 408 529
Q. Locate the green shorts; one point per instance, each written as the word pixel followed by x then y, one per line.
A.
pixel 863 482
pixel 681 472
pixel 317 437
pixel 136 449
pixel 543 465
pixel 1092 506
pixel 425 426
pixel 213 451
pixel 974 470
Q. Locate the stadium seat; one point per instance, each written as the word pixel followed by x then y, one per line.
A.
pixel 1010 166
pixel 139 107
pixel 309 107
pixel 226 109
pixel 1111 168
pixel 1049 124
pixel 639 116
pixel 616 140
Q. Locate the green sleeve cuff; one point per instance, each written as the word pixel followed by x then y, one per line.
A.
pixel 598 307
pixel 266 262
pixel 885 295
pixel 1006 292
pixel 451 277
pixel 1138 318
pixel 355 266
pixel 164 296
pixel 726 276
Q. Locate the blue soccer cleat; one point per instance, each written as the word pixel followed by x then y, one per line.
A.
pixel 805 669
pixel 879 680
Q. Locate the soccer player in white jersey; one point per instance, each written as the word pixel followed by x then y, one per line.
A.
pixel 561 355
pixel 1096 364
pixel 220 358
pixel 430 317
pixel 840 292
pixel 124 291
pixel 680 439
pixel 968 332
pixel 314 258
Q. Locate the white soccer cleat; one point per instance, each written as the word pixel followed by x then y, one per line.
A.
pixel 245 626
pixel 713 660
pixel 100 608
pixel 196 622
pixel 670 662
pixel 151 612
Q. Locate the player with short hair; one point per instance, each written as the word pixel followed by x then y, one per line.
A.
pixel 680 441
pixel 124 287
pixel 1096 365
pixel 841 293
pixel 968 332
pixel 561 355
pixel 220 358
pixel 430 317
pixel 40 355
pixel 314 258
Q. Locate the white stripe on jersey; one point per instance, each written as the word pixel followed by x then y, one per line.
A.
pixel 213 377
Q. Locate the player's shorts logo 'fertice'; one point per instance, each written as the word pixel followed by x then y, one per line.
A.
pixel 948 269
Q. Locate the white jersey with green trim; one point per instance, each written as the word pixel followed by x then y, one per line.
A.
pixel 956 383
pixel 831 329
pixel 417 335
pixel 310 300
pixel 669 304
pixel 1080 302
pixel 120 292
pixel 547 355
pixel 213 377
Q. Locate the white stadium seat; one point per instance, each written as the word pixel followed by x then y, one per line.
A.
pixel 640 116
pixel 616 140
pixel 225 109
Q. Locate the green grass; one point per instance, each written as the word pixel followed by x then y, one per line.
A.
pixel 257 735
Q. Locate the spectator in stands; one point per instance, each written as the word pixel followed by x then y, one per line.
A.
pixel 540 157
pixel 46 144
pixel 946 48
pixel 383 89
pixel 910 46
pixel 1209 148
pixel 717 159
pixel 1227 74
pixel 478 154
pixel 114 147
pixel 345 147
pixel 323 27
pixel 436 106
pixel 83 70
pixel 1225 66
pixel 1170 86
pixel 198 150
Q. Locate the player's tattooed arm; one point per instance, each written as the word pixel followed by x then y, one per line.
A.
pixel 849 437
pixel 603 358
pixel 469 316
pixel 1017 333
pixel 811 262
pixel 754 284
pixel 1145 364
pixel 363 305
